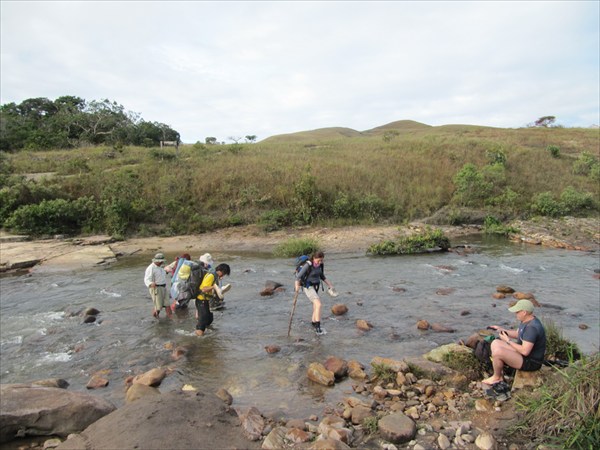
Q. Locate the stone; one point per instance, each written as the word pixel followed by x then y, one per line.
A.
pixel 275 440
pixel 319 374
pixel 527 296
pixel 423 325
pixel 397 428
pixel 51 443
pixel 97 382
pixel 328 444
pixel 297 436
pixel 443 441
pixel 504 289
pixel 499 295
pixel 338 366
pixel 360 413
pixel 137 391
pixel 483 404
pixel 224 395
pixel 151 378
pixel 178 353
pixel 89 319
pixel 441 328
pixel 583 326
pixel 272 349
pixel 52 382
pixel 27 409
pixel 296 423
pixel 363 325
pixel 394 364
pixel 91 312
pixel 253 423
pixel 437 354
pixel 529 379
pixel 485 441
pixel 339 309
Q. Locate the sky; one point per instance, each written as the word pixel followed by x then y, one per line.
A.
pixel 232 69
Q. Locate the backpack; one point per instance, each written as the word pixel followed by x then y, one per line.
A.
pixel 483 352
pixel 189 288
pixel 301 262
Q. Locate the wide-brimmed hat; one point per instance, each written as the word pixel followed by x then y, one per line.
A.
pixel 207 259
pixel 522 305
pixel 159 257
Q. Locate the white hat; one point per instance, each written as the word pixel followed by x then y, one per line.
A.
pixel 159 257
pixel 207 259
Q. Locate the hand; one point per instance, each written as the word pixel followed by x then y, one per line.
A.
pixel 504 336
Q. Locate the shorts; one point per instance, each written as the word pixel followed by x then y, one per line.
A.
pixel 311 293
pixel 530 365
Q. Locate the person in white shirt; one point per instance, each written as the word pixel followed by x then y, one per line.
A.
pixel 155 280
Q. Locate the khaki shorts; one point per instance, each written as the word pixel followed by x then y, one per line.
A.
pixel 311 293
pixel 159 297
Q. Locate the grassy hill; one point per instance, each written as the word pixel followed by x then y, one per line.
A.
pixel 394 173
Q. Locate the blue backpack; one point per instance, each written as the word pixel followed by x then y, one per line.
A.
pixel 301 262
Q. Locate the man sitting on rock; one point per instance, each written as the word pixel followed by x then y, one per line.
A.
pixel 527 353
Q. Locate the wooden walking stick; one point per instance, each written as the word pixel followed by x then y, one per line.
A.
pixel 292 313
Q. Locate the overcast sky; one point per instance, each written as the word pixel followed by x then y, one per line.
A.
pixel 264 68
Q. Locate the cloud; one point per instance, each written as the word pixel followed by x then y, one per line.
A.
pixel 235 68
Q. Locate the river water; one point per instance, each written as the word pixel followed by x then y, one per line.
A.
pixel 40 339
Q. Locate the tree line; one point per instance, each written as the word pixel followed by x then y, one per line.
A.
pixel 71 122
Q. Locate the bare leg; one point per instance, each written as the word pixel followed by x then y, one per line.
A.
pixel 502 354
pixel 316 316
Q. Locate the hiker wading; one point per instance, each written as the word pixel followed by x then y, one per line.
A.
pixel 309 278
pixel 208 289
pixel 527 353
pixel 155 280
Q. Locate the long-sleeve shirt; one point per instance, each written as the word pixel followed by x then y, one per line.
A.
pixel 155 274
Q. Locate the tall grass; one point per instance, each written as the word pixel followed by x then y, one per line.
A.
pixel 358 177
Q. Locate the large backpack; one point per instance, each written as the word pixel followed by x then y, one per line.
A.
pixel 301 262
pixel 483 353
pixel 190 287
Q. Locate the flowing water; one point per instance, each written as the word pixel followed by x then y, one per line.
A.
pixel 40 338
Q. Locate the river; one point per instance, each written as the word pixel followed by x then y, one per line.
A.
pixel 39 338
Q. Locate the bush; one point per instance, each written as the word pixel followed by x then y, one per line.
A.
pixel 54 217
pixel 418 243
pixel 465 363
pixel 557 347
pixel 296 246
pixel 544 204
pixel 574 202
pixel 584 164
pixel 492 225
pixel 554 150
pixel 275 219
pixel 471 187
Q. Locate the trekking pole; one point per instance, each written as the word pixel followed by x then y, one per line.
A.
pixel 292 313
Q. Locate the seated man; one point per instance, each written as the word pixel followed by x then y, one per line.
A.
pixel 527 353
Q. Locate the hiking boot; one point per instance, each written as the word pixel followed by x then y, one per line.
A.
pixel 318 329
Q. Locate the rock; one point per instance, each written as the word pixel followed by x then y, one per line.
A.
pixel 445 291
pixel 465 313
pixel 51 443
pixel 499 295
pixel 97 382
pixel 472 340
pixel 530 379
pixel 328 444
pixel 179 353
pixel 253 423
pixel 187 420
pixel 356 370
pixel 297 436
pixel 583 326
pixel 319 374
pixel 151 378
pixel 89 319
pixel 504 289
pixel 91 312
pixel 339 309
pixel 35 410
pixel 224 395
pixel 485 441
pixel 437 354
pixel 338 366
pixel 138 391
pixel 272 349
pixel 395 365
pixel 527 296
pixel 398 289
pixel 296 423
pixel 423 325
pixel 397 428
pixel 483 404
pixel 52 382
pixel 363 325
pixel 275 440
pixel 443 441
pixel 270 288
pixel 441 328
pixel 360 413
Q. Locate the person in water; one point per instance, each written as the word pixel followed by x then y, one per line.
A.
pixel 527 353
pixel 155 279
pixel 208 289
pixel 309 279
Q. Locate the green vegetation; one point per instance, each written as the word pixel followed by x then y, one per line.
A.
pixel 565 411
pixel 384 373
pixel 466 364
pixel 493 225
pixel 419 243
pixel 371 424
pixel 557 347
pixel 327 177
pixel 296 247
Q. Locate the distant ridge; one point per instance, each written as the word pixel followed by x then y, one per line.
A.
pixel 318 134
pixel 399 125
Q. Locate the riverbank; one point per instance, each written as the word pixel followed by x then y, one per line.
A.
pixel 20 253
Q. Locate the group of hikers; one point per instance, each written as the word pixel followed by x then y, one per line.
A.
pixel 522 348
pixel 189 280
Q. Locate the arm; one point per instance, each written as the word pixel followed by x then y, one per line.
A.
pixel 510 333
pixel 299 276
pixel 523 349
pixel 208 282
pixel 149 277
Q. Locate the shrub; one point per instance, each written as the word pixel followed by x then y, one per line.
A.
pixel 371 424
pixel 576 202
pixel 554 150
pixel 275 219
pixel 584 164
pixel 307 199
pixel 492 225
pixel 296 247
pixel 162 155
pixel 544 204
pixel 557 347
pixel 418 243
pixel 471 187
pixel 53 216
pixel 384 373
pixel 465 363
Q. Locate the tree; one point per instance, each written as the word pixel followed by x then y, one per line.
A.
pixel 251 138
pixel 211 140
pixel 235 139
pixel 545 121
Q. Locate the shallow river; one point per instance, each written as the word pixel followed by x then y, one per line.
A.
pixel 39 339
